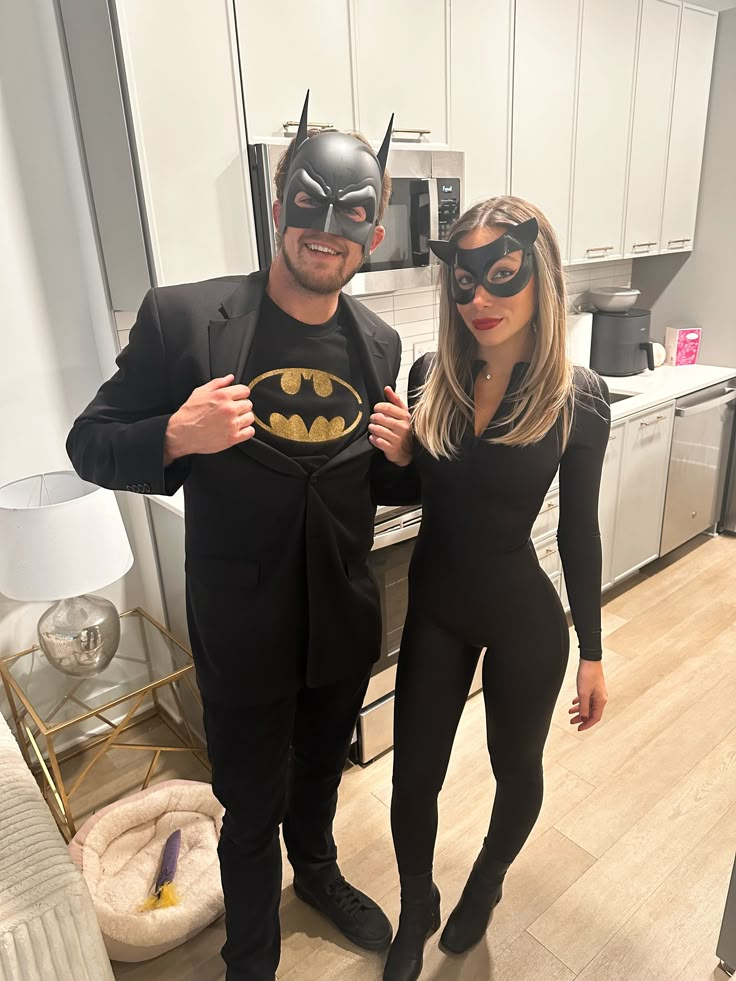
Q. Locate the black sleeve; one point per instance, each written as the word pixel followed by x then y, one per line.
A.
pixel 578 534
pixel 118 440
pixel 391 484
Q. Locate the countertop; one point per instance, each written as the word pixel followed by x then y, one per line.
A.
pixel 648 389
pixel 652 388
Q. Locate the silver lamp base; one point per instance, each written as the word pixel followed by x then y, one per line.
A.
pixel 80 635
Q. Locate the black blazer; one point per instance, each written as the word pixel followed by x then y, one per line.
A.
pixel 278 590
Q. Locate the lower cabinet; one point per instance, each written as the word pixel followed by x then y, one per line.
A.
pixel 642 486
pixel 608 500
pixel 631 503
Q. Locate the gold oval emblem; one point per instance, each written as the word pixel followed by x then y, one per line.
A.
pixel 323 427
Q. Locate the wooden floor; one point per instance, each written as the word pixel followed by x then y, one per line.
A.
pixel 625 875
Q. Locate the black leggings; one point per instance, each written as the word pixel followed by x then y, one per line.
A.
pixel 522 677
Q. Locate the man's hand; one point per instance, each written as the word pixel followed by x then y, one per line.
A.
pixel 390 429
pixel 214 417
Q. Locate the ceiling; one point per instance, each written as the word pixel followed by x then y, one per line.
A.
pixel 717 4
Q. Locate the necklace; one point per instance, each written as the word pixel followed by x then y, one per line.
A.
pixel 487 374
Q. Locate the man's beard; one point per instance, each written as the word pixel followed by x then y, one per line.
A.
pixel 328 282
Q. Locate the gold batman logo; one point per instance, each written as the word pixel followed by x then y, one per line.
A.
pixel 318 427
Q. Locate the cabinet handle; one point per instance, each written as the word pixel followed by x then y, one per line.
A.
pixel 549 551
pixel 418 132
pixel 642 245
pixel 599 248
pixel 611 438
pixel 294 124
pixel 677 241
pixel 551 505
pixel 654 422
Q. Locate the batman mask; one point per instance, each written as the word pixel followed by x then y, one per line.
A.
pixel 502 267
pixel 334 184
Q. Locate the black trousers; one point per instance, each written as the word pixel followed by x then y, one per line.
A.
pixel 273 764
pixel 523 670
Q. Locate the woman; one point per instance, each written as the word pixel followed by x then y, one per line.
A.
pixel 499 409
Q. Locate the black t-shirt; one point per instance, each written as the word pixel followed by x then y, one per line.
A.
pixel 307 389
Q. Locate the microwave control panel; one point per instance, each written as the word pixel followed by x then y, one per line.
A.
pixel 448 199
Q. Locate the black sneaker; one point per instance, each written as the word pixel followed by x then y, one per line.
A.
pixel 356 916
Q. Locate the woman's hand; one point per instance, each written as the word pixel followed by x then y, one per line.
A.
pixel 390 429
pixel 587 708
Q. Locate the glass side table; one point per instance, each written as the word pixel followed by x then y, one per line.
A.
pixel 46 704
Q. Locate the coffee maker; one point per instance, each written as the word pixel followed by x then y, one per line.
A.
pixel 620 343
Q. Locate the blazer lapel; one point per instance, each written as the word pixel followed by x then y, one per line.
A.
pixel 230 343
pixel 372 354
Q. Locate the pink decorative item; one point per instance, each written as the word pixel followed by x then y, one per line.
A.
pixel 682 344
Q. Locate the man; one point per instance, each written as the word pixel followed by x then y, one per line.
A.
pixel 281 477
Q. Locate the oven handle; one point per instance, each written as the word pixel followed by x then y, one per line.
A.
pixel 395 535
pixel 434 209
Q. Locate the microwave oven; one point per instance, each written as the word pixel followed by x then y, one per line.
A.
pixel 426 198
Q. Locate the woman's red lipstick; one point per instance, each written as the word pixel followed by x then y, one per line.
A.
pixel 486 323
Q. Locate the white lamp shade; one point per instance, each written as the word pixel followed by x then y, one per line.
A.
pixel 59 537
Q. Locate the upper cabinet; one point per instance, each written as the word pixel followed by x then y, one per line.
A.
pixel 402 61
pixel 544 93
pixel 480 111
pixel 687 134
pixel 187 117
pixel 287 48
pixel 605 88
pixel 655 79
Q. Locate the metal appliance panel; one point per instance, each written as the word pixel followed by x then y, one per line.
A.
pixel 726 948
pixel 701 442
pixel 376 729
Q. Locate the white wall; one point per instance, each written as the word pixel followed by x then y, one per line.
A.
pixel 56 338
pixel 698 289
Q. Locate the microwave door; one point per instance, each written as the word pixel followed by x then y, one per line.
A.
pixel 420 221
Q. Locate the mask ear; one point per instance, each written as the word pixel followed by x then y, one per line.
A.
pixel 383 152
pixel 443 250
pixel 301 134
pixel 526 233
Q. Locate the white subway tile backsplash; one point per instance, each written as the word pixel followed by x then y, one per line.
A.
pixel 411 315
pixel 414 298
pixel 379 303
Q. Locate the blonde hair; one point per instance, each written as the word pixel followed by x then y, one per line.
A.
pixel 546 392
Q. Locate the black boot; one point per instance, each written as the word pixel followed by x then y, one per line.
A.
pixel 420 918
pixel 469 920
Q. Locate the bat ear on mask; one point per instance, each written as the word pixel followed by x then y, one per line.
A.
pixel 382 154
pixel 443 250
pixel 303 132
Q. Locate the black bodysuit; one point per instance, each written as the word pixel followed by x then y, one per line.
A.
pixel 475 582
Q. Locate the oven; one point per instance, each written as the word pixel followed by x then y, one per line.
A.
pixel 395 533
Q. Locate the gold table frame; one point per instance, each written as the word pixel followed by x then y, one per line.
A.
pixel 51 782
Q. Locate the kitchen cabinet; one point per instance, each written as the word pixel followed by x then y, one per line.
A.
pixel 187 117
pixel 480 112
pixel 605 89
pixel 401 59
pixel 642 484
pixel 287 48
pixel 608 500
pixel 687 133
pixel 655 79
pixel 544 107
